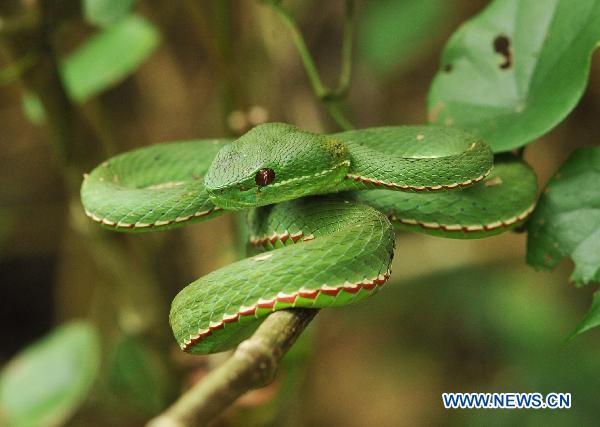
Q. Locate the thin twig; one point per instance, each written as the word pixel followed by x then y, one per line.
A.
pixel 346 72
pixel 253 364
pixel 307 60
pixel 329 97
pixel 335 111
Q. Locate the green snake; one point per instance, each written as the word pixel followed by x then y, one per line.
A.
pixel 319 241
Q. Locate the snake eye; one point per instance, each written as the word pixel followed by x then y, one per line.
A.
pixel 264 177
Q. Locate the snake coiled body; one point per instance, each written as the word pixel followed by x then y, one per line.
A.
pixel 321 242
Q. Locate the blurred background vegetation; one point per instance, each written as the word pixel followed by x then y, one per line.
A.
pixel 79 83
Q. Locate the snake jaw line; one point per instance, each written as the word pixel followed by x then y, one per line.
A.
pixel 285 298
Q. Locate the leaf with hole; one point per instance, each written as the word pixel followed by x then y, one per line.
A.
pixel 566 221
pixel 48 381
pixel 516 70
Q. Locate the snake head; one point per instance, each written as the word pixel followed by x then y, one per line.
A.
pixel 275 162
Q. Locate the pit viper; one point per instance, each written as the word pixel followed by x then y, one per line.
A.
pixel 321 211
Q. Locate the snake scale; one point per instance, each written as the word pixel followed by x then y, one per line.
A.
pixel 320 242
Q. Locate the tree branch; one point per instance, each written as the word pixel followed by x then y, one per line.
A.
pixel 253 364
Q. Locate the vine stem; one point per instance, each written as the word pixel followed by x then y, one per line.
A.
pixel 253 364
pixel 329 97
pixel 346 72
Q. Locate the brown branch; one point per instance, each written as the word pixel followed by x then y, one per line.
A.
pixel 253 364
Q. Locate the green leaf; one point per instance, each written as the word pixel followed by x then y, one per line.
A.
pixel 137 376
pixel 106 12
pixel 566 221
pixel 33 108
pixel 46 383
pixel 109 57
pixel 394 32
pixel 592 319
pixel 101 62
pixel 516 70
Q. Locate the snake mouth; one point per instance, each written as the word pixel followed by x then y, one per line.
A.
pixel 241 201
pixel 236 198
